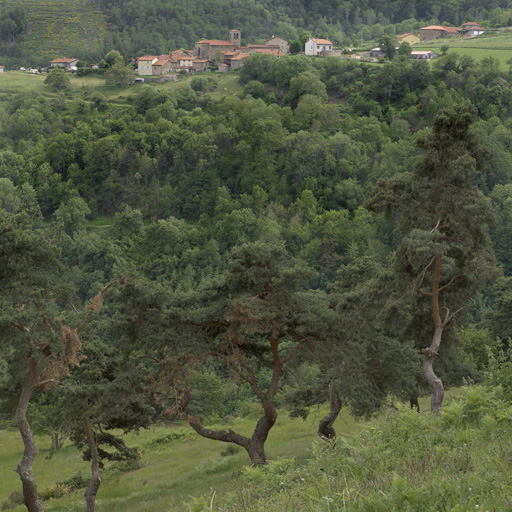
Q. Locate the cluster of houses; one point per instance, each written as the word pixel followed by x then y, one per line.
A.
pixel 225 54
pixel 230 54
pixel 433 33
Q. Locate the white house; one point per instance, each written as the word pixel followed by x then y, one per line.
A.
pixel 64 63
pixel 317 46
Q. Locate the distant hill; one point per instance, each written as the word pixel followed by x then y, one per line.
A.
pixel 89 28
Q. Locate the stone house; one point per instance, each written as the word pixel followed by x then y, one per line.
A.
pixel 278 41
pixel 436 32
pixel 471 29
pixel 200 65
pixel 209 48
pixel 162 66
pixel 317 46
pixel 238 60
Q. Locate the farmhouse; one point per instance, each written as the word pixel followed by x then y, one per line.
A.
pixel 317 46
pixel 408 38
pixel 436 32
pixel 471 29
pixel 64 63
pixel 1 69
pixel 424 55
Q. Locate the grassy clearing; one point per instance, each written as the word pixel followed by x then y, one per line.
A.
pixel 498 46
pixel 14 82
pixel 172 472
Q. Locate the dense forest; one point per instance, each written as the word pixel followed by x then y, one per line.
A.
pixel 139 27
pixel 339 233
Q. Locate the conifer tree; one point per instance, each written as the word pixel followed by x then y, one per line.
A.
pixel 445 256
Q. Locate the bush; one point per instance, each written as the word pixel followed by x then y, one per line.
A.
pixel 54 492
pixel 15 499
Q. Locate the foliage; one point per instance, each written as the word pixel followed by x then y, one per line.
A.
pixel 58 79
pixel 400 461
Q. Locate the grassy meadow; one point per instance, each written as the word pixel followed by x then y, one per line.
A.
pixel 171 472
pixel 496 45
pixel 13 82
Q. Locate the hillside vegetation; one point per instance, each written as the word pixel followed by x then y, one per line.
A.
pixel 61 28
pixel 90 28
pixel 221 249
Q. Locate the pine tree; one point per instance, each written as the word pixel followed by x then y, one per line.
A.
pixel 445 256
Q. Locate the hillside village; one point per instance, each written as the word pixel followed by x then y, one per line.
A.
pixel 224 55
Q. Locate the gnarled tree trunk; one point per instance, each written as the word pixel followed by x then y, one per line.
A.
pixel 24 469
pixel 255 445
pixel 325 428
pixel 95 481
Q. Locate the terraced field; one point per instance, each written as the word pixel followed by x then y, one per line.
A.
pixel 63 28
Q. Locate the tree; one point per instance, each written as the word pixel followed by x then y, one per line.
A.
pixel 445 254
pixel 405 49
pixel 120 75
pixel 58 79
pixel 113 57
pixel 39 347
pixel 387 44
pixel 257 317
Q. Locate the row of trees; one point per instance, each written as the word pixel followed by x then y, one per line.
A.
pixel 261 312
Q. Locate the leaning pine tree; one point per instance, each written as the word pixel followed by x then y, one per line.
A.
pixel 445 253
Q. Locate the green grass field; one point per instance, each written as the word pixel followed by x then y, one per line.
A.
pixel 172 472
pixel 14 82
pixel 498 46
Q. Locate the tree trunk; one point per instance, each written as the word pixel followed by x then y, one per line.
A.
pixel 414 403
pixel 436 384
pixel 95 481
pixel 30 498
pixel 256 446
pixel 325 428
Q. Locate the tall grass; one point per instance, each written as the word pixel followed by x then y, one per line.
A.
pixel 458 461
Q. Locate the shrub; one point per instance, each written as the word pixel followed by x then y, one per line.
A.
pixel 54 492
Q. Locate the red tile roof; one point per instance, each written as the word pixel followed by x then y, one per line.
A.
pixel 240 56
pixel 433 27
pixel 322 41
pixel 63 60
pixel 146 57
pixel 215 42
